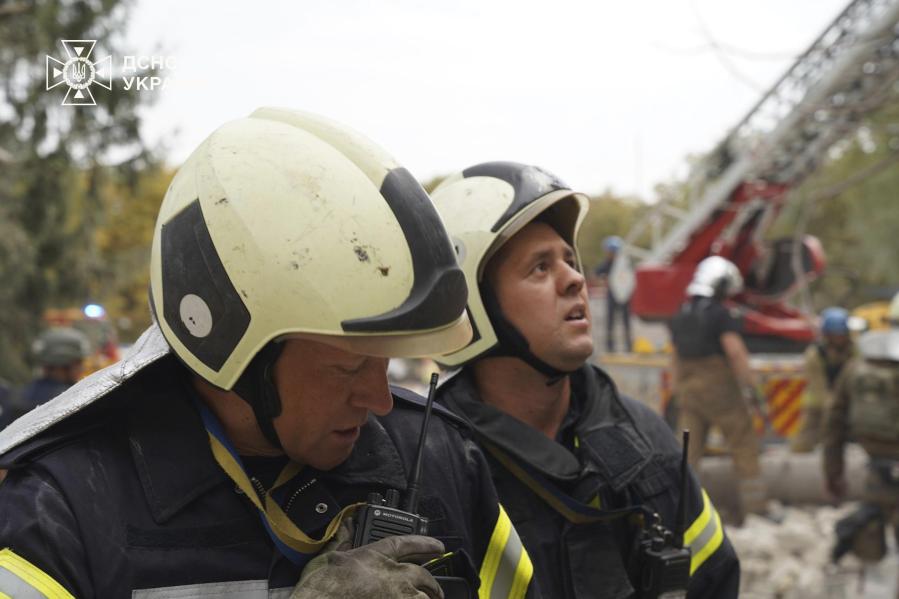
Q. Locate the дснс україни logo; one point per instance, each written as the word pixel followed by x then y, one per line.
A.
pixel 79 72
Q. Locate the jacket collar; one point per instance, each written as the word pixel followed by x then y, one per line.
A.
pixel 508 433
pixel 609 440
pixel 171 452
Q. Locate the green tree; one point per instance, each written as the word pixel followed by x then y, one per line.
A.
pixel 123 244
pixel 56 160
pixel 608 215
pixel 850 204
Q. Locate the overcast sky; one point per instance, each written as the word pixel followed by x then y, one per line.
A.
pixel 605 94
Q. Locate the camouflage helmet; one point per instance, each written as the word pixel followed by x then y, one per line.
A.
pixel 60 347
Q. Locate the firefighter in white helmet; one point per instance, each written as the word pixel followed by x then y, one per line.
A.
pixel 224 456
pixel 565 449
pixel 713 383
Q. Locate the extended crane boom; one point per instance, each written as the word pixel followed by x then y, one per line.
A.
pixel 740 187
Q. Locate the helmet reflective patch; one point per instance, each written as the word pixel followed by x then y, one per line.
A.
pixel 195 315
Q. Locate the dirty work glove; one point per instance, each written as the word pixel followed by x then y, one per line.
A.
pixel 385 569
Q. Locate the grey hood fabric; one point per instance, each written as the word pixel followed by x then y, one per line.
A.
pixel 149 348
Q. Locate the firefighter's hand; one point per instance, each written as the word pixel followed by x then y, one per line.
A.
pixel 836 487
pixel 385 569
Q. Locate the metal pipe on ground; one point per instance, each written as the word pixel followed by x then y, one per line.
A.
pixel 791 478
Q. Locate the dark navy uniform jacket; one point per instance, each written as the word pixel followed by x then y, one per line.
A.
pixel 610 450
pixel 124 499
pixel 697 327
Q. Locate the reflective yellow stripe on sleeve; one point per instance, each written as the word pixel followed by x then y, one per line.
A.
pixel 506 570
pixel 21 579
pixel 704 535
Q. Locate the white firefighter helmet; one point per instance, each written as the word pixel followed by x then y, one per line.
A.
pixel 483 207
pixel 715 277
pixel 287 224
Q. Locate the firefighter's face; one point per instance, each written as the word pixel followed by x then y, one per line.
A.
pixel 326 396
pixel 543 294
pixel 837 342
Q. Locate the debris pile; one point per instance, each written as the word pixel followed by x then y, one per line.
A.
pixel 787 556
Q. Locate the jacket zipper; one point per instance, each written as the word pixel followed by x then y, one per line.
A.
pixel 297 492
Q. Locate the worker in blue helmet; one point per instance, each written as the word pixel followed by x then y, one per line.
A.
pixel 823 362
pixel 614 306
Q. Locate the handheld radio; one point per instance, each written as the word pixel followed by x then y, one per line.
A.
pixel 663 561
pixel 382 517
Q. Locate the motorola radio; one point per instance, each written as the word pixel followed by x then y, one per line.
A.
pixel 383 517
pixel 663 563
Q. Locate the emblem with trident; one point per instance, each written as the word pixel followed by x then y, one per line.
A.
pixel 79 72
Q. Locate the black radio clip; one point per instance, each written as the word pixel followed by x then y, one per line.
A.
pixel 662 560
pixel 383 517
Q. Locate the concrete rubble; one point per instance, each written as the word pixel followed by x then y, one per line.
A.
pixel 791 559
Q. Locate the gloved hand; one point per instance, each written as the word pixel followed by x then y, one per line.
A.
pixel 385 569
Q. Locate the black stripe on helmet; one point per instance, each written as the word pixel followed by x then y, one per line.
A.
pixel 439 293
pixel 191 267
pixel 529 183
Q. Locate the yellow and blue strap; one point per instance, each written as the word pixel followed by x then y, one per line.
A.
pixel 292 542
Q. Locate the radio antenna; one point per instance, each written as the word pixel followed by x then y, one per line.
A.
pixel 682 499
pixel 412 492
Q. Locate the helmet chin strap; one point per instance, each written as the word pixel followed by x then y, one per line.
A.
pixel 510 341
pixel 256 386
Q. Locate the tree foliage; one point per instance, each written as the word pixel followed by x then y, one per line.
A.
pixel 851 203
pixel 123 245
pixel 56 160
pixel 608 215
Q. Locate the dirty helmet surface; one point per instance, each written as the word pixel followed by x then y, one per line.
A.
pixel 285 224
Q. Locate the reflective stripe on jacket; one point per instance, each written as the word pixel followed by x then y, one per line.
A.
pixel 124 499
pixel 621 453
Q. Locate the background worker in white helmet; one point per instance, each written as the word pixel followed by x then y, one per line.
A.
pixel 222 457
pixel 565 450
pixel 865 409
pixel 712 380
pixel 822 363
pixel 60 354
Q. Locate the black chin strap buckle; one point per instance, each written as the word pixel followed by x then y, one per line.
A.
pixel 256 386
pixel 510 341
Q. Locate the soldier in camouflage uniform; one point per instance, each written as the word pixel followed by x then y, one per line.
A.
pixel 865 409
